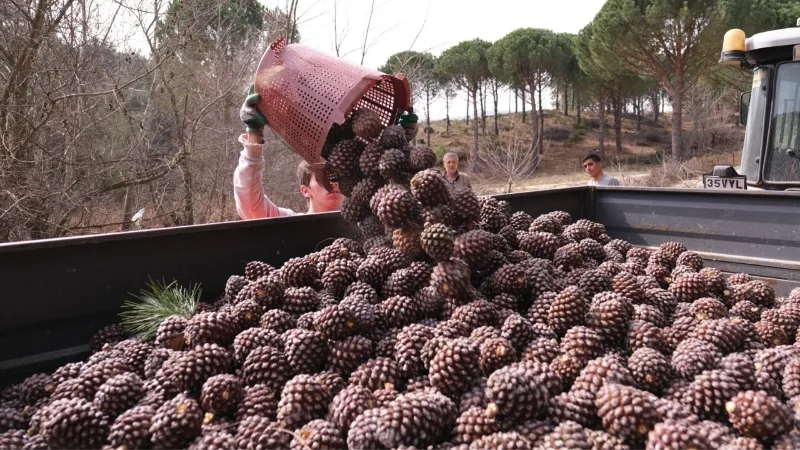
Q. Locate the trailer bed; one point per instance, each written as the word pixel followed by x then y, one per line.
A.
pixel 56 293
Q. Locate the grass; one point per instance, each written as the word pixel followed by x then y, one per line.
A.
pixel 159 300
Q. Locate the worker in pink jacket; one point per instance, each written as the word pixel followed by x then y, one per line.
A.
pixel 248 189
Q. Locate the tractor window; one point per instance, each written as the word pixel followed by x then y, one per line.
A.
pixel 757 115
pixel 783 153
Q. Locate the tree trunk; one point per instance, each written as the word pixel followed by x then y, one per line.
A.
pixel 602 139
pixel 639 105
pixel 127 207
pixel 428 116
pixel 576 99
pixel 467 107
pixel 541 114
pixel 495 94
pixel 482 94
pixel 447 112
pixel 188 199
pixel 558 101
pixel 473 160
pixel 523 105
pixel 516 101
pixel 677 122
pixel 654 101
pixel 617 106
pixel 575 103
pixel 566 99
pixel 535 149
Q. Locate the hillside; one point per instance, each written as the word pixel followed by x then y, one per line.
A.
pixel 644 160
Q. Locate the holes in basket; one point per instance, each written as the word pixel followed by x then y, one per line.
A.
pixel 381 100
pixel 335 82
pixel 316 108
pixel 302 134
pixel 318 83
pixel 328 92
pixel 298 130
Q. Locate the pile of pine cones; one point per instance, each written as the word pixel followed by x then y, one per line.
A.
pixel 453 323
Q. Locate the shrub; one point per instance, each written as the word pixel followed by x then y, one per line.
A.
pixel 463 158
pixel 593 122
pixel 653 138
pixel 576 135
pixel 440 151
pixel 557 133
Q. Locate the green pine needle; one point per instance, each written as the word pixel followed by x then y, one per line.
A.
pixel 141 317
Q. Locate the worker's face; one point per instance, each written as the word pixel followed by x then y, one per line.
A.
pixel 592 168
pixel 451 165
pixel 322 200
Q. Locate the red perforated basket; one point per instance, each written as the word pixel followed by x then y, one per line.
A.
pixel 304 92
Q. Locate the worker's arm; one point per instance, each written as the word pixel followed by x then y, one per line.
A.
pixel 248 190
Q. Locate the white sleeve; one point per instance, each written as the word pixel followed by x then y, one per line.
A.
pixel 248 190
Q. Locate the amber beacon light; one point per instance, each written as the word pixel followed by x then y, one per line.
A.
pixel 733 47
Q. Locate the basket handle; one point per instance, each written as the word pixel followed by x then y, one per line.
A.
pixel 406 93
pixel 277 47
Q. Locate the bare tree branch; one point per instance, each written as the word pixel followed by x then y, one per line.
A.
pixel 513 160
pixel 116 89
pixel 366 32
pixel 421 27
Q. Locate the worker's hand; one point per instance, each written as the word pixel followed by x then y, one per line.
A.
pixel 408 120
pixel 253 119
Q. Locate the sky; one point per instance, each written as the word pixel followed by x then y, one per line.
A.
pixel 421 25
pixel 433 26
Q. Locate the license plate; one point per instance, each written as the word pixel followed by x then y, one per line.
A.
pixel 733 183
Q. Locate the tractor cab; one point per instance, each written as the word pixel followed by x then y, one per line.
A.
pixel 770 111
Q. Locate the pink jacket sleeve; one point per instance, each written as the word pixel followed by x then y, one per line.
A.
pixel 251 202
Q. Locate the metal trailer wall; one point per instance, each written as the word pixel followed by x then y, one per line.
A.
pixel 54 294
pixel 756 232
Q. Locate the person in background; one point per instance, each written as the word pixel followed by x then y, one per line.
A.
pixel 455 180
pixel 593 166
pixel 248 190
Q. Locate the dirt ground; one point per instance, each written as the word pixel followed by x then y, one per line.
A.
pixel 644 159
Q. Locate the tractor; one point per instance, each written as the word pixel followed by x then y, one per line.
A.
pixel 770 111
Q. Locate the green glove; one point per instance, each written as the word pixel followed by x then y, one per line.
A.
pixel 253 119
pixel 409 123
pixel 407 119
